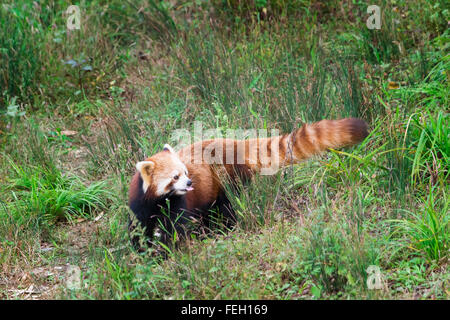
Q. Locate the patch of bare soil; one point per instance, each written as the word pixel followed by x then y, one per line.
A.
pixel 46 282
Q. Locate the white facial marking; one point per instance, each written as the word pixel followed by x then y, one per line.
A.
pixel 144 186
pixel 161 187
pixel 167 182
pixel 181 164
pixel 181 186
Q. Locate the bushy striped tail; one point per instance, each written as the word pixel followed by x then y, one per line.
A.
pixel 315 138
pixel 267 155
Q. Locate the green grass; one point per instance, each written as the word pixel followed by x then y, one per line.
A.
pixel 427 231
pixel 52 195
pixel 78 109
pixel 19 55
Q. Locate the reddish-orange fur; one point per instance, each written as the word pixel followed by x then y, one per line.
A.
pixel 301 144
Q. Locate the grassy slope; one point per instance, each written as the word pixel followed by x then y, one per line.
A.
pixel 79 108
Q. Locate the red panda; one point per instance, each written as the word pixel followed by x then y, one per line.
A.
pixel 170 188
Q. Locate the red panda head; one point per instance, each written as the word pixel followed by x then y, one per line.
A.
pixel 164 174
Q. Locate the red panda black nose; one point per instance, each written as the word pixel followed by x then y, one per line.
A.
pixel 189 183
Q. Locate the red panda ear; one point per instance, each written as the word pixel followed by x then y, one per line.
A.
pixel 168 148
pixel 145 167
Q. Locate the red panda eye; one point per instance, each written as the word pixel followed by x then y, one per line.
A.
pixel 176 177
